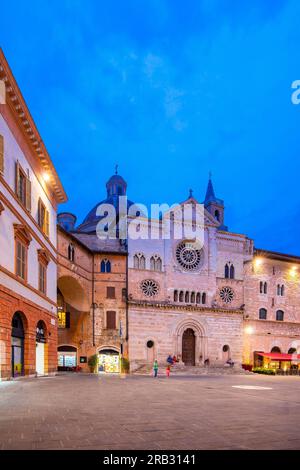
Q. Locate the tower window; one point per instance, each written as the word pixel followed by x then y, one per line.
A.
pixel 217 215
pixel 232 272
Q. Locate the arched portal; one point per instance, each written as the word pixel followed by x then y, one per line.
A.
pixel 200 339
pixel 188 347
pixel 17 345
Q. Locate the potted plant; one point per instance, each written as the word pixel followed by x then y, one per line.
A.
pixel 93 362
pixel 125 366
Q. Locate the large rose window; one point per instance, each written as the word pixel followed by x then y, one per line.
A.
pixel 149 287
pixel 188 256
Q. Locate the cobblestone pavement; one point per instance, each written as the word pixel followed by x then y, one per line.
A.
pixel 76 411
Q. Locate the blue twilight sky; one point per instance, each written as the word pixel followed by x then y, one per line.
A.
pixel 169 90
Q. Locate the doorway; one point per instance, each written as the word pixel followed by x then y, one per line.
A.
pixel 17 346
pixel 188 347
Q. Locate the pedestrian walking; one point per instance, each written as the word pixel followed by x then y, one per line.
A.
pixel 155 368
pixel 168 370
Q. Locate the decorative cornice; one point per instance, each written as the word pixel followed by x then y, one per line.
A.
pixel 43 256
pixel 188 308
pixel 16 103
pixel 22 232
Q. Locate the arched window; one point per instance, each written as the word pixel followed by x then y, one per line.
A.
pixel 261 287
pixel 139 261
pixel 105 266
pixel 276 349
pixel 187 297
pixel 155 263
pixel 198 298
pixel 71 252
pixel 158 264
pixel 282 290
pixel 204 298
pixel 226 271
pixel 142 262
pixel 232 273
pixel 262 314
pixel 279 315
pixel 265 288
pixel 136 262
pixel 175 295
pixel 181 295
pixel 278 289
pixel 192 297
pixel 217 215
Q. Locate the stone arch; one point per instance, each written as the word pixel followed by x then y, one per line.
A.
pixel 74 293
pixel 199 330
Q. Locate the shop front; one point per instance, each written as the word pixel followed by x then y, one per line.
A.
pixel 67 358
pixel 108 361
pixel 277 361
pixel 17 345
pixel 40 348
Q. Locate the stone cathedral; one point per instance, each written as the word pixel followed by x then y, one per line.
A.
pixel 146 299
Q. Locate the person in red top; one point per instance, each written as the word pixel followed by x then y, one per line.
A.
pixel 168 370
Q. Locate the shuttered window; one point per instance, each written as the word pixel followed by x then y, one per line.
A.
pixel 1 154
pixel 42 277
pixel 23 187
pixel 110 320
pixel 43 217
pixel 21 259
pixel 110 293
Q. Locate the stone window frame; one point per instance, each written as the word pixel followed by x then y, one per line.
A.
pixel 22 237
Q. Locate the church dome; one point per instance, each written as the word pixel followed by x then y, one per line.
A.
pixel 116 186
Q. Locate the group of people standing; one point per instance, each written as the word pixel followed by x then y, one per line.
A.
pixel 171 360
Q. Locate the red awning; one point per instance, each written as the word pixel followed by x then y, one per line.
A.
pixel 280 356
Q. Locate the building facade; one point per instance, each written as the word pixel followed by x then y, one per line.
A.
pixel 225 300
pixel 92 283
pixel 29 193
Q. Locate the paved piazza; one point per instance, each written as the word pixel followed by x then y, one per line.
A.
pixel 139 412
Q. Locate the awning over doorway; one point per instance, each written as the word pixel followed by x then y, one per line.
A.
pixel 280 356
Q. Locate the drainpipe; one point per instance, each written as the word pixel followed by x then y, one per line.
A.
pixel 127 333
pixel 93 299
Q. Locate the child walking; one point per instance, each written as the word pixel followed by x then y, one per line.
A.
pixel 168 370
pixel 155 368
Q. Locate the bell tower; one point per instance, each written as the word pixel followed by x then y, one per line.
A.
pixel 214 205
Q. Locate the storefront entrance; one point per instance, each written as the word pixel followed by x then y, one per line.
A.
pixel 67 358
pixel 188 347
pixel 108 361
pixel 40 348
pixel 17 346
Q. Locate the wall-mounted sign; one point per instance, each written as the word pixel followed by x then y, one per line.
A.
pixel 83 359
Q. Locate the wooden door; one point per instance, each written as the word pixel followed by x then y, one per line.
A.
pixel 188 347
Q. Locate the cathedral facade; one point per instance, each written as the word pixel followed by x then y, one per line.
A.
pixel 147 298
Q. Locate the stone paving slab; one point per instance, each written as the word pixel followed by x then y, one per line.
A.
pixel 76 411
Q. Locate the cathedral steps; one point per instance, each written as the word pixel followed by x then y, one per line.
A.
pixel 146 369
